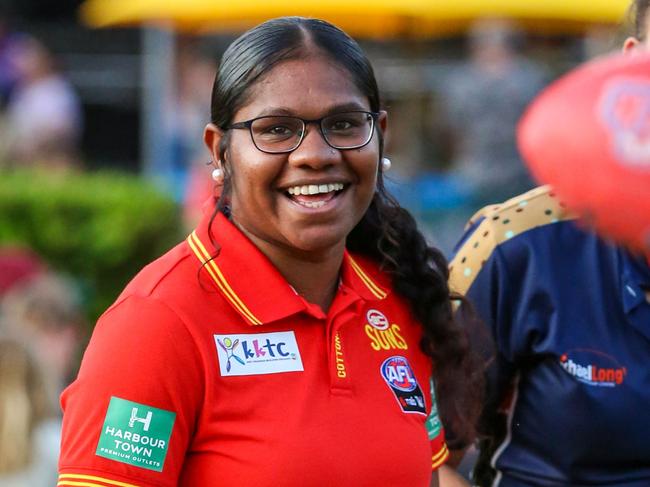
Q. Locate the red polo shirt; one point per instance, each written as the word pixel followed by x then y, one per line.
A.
pixel 216 372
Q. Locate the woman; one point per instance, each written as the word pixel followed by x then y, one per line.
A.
pixel 569 313
pixel 290 340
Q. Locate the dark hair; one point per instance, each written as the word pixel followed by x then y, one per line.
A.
pixel 639 10
pixel 387 233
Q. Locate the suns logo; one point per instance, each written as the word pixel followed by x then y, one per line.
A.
pixel 377 319
pixel 383 335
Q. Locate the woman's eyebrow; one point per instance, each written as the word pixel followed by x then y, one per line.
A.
pixel 347 107
pixel 342 107
pixel 275 111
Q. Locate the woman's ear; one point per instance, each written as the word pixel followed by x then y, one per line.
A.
pixel 212 136
pixel 630 44
pixel 382 121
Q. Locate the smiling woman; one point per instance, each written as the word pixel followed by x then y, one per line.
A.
pixel 301 335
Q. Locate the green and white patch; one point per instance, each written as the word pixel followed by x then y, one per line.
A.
pixel 136 434
pixel 433 420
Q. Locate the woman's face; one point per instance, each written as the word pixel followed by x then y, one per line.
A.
pixel 261 203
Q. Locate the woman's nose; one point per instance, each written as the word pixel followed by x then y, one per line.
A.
pixel 314 151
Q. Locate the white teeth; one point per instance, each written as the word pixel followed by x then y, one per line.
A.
pixel 312 204
pixel 315 189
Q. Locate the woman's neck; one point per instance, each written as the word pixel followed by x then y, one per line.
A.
pixel 314 275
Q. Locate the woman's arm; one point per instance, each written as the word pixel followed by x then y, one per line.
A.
pixel 448 477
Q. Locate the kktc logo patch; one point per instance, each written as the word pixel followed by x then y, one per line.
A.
pixel 399 376
pixel 136 434
pixel 259 353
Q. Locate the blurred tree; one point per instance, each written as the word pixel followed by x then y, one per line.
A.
pixel 100 228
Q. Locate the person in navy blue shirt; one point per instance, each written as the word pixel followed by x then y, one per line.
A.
pixel 568 398
pixel 569 387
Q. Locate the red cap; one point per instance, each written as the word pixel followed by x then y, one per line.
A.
pixel 16 266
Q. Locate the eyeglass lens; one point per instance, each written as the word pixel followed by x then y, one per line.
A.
pixel 341 130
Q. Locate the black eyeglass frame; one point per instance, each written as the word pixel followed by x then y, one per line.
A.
pixel 319 121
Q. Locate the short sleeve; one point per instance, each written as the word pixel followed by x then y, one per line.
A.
pixel 436 432
pixel 130 414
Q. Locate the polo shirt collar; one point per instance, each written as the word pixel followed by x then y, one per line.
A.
pixel 636 278
pixel 252 285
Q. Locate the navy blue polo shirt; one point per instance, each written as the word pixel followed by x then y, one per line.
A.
pixel 571 324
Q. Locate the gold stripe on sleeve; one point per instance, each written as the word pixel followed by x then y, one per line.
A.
pixel 440 457
pixel 78 480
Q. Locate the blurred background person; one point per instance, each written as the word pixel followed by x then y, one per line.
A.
pixel 568 390
pixel 17 265
pixel 182 117
pixel 484 99
pixel 29 425
pixel 43 116
pixel 8 70
pixel 44 311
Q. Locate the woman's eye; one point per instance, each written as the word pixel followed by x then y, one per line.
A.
pixel 278 130
pixel 341 125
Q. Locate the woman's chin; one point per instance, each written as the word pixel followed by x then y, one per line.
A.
pixel 317 241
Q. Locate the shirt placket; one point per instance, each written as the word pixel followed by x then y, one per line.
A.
pixel 344 312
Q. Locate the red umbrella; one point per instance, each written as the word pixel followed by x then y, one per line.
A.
pixel 588 135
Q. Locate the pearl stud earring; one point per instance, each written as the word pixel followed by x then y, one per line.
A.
pixel 385 164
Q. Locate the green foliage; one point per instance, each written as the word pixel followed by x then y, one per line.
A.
pixel 100 228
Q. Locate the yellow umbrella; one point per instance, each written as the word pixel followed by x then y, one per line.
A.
pixel 360 18
pixel 367 18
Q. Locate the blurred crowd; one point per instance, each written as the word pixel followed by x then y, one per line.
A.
pixel 40 114
pixel 478 100
pixel 41 333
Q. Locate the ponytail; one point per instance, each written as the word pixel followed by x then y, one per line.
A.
pixel 389 235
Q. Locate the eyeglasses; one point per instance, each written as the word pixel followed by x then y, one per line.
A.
pixel 278 134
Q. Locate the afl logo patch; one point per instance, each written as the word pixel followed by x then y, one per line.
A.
pixel 399 376
pixel 377 319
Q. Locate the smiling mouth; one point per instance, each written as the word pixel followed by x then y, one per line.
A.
pixel 314 195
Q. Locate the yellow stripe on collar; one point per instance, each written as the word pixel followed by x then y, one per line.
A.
pixel 204 257
pixel 378 292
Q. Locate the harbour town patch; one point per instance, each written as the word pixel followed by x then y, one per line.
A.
pixel 136 434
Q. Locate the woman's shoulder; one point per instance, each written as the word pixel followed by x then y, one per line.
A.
pixel 517 231
pixel 172 280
